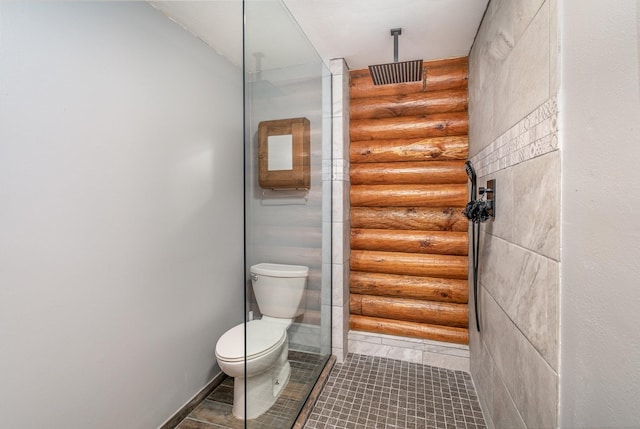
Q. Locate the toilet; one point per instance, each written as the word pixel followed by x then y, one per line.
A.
pixel 279 291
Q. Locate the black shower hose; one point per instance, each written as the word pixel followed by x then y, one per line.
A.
pixel 475 248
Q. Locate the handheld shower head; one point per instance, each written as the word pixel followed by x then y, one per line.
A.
pixel 471 173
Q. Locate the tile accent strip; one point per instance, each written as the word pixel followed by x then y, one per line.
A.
pixel 533 136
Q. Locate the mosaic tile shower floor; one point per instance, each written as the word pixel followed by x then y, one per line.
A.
pixel 368 392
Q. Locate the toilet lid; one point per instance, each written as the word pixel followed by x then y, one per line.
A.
pixel 262 337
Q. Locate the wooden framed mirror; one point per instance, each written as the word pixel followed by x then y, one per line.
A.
pixel 284 154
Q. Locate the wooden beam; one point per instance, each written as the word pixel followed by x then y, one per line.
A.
pixel 409 329
pixel 409 218
pixel 388 240
pixel 414 104
pixel 420 172
pixel 411 264
pixel 410 310
pixel 409 127
pixel 416 149
pixel 408 195
pixel 425 288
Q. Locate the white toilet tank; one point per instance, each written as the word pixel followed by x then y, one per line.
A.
pixel 279 289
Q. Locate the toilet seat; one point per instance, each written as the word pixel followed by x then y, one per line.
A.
pixel 262 338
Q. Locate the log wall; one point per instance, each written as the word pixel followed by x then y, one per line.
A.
pixel 408 187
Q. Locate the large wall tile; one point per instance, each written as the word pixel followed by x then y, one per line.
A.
pixel 524 75
pixel 503 410
pixel 481 76
pixel 536 217
pixel 390 352
pixel 554 47
pixel 480 106
pixel 482 372
pixel 427 352
pixel 508 68
pixel 498 406
pixel 513 17
pixel 339 329
pixel 340 286
pixel 340 236
pixel 513 138
pixel 531 382
pixel 340 200
pixel 525 285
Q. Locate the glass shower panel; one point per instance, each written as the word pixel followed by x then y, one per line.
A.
pixel 287 215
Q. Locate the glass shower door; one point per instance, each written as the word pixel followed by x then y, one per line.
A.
pixel 287 214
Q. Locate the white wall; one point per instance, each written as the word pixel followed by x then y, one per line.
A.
pixel 120 214
pixel 600 292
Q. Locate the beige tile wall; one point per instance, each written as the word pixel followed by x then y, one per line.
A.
pixel 514 139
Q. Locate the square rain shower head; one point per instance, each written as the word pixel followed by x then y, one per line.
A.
pixel 396 72
pixel 399 72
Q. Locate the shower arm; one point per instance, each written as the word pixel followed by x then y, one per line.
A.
pixel 395 32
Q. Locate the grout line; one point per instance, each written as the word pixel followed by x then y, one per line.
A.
pixel 521 247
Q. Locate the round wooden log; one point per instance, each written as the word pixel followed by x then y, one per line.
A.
pixel 411 264
pixel 408 195
pixel 355 304
pixel 439 78
pixel 426 288
pixel 388 240
pixel 419 172
pixel 408 127
pixel 420 149
pixel 416 104
pixel 410 310
pixel 409 329
pixel 420 218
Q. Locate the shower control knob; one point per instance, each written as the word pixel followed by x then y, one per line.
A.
pixel 484 190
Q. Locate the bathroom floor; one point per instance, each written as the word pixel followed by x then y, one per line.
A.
pixel 364 392
pixel 368 392
pixel 215 410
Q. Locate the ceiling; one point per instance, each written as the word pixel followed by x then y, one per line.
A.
pixel 356 30
pixel 359 30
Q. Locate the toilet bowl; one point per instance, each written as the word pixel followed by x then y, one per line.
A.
pixel 261 374
pixel 267 367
